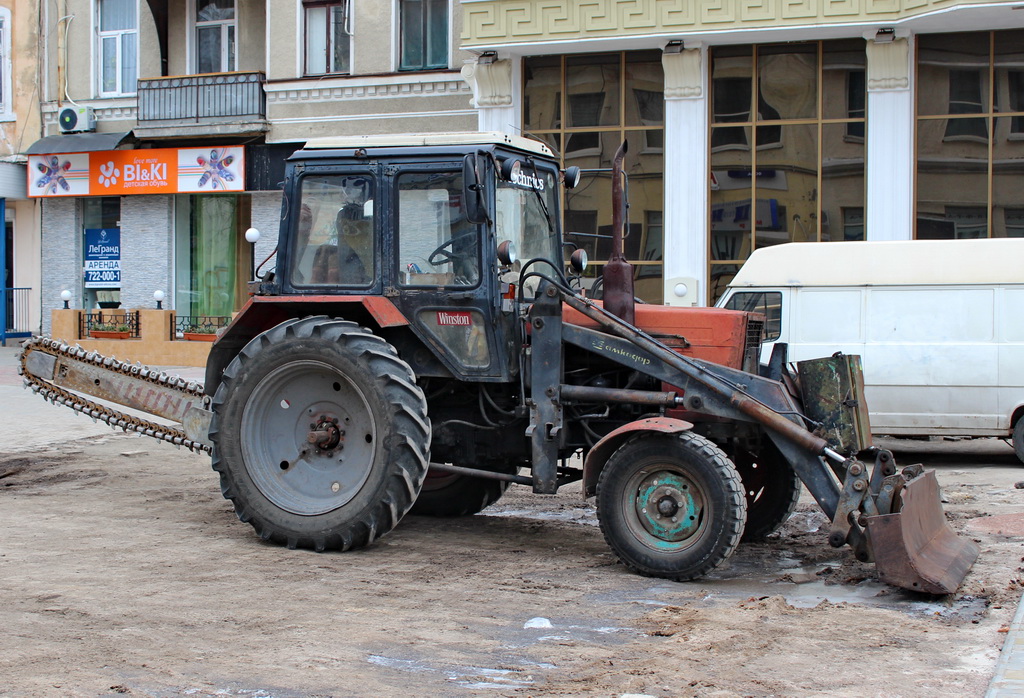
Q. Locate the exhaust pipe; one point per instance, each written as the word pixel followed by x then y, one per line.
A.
pixel 617 276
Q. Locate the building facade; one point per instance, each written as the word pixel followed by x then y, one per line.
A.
pixel 19 128
pixel 167 124
pixel 755 123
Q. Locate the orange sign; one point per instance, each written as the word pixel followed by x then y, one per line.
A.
pixel 134 172
pixel 127 172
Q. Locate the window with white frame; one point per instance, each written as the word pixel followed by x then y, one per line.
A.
pixel 328 36
pixel 118 46
pixel 423 39
pixel 215 36
pixel 6 105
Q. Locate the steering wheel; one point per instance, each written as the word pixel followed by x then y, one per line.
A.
pixel 443 255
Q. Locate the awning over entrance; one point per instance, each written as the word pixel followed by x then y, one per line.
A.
pixel 12 181
pixel 77 143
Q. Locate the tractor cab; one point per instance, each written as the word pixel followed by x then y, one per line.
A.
pixel 419 220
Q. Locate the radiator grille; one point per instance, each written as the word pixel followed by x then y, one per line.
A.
pixel 752 348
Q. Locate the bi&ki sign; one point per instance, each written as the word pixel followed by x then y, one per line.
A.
pixel 127 172
pixel 102 258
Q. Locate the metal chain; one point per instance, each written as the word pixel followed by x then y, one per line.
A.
pixel 117 420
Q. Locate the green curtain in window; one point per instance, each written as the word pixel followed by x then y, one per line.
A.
pixel 213 255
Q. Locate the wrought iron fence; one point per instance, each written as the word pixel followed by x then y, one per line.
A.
pixel 198 97
pixel 14 313
pixel 109 322
pixel 198 324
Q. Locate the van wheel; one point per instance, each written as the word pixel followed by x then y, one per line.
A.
pixel 1018 439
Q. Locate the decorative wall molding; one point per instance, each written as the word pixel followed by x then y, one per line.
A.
pixel 340 90
pixel 683 74
pixel 121 109
pixel 888 65
pixel 379 116
pixel 491 82
pixel 496 22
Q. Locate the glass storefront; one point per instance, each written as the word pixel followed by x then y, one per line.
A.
pixel 787 149
pixel 970 135
pixel 101 212
pixel 212 262
pixel 584 107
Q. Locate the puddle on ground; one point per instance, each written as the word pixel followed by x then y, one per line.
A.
pixel 587 517
pixel 728 588
pixel 472 677
pixel 777 573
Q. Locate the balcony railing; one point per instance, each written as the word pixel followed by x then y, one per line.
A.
pixel 198 98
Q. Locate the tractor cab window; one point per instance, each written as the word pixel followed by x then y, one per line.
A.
pixel 526 211
pixel 437 246
pixel 334 240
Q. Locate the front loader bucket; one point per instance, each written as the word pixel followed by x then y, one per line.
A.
pixel 915 548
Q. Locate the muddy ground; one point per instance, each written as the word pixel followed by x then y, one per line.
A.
pixel 123 571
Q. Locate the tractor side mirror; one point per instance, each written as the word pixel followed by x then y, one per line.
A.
pixel 476 204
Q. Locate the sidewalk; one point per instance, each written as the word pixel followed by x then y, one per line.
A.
pixel 1009 679
pixel 28 422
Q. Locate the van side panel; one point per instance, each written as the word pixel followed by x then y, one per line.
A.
pixel 828 316
pixel 933 362
pixel 931 359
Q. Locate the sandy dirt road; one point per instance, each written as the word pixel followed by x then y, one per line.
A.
pixel 123 571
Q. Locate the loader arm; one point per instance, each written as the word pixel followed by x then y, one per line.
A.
pixel 900 514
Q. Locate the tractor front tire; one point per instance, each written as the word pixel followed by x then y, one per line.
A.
pixel 671 506
pixel 320 435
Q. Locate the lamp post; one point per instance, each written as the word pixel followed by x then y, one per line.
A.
pixel 65 296
pixel 158 296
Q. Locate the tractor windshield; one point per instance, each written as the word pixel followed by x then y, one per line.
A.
pixel 526 213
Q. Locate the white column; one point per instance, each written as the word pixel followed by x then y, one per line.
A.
pixel 890 141
pixel 493 89
pixel 686 177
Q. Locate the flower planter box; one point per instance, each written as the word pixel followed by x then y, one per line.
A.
pixel 109 334
pixel 199 336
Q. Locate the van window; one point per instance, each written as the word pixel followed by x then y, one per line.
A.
pixel 769 303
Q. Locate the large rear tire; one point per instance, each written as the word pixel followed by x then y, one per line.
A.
pixel 320 435
pixel 451 495
pixel 671 506
pixel 771 487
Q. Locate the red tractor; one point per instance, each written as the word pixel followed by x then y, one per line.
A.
pixel 421 344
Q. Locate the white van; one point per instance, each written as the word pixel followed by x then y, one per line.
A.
pixel 939 325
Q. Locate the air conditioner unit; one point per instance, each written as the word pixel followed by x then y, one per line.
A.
pixel 75 119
